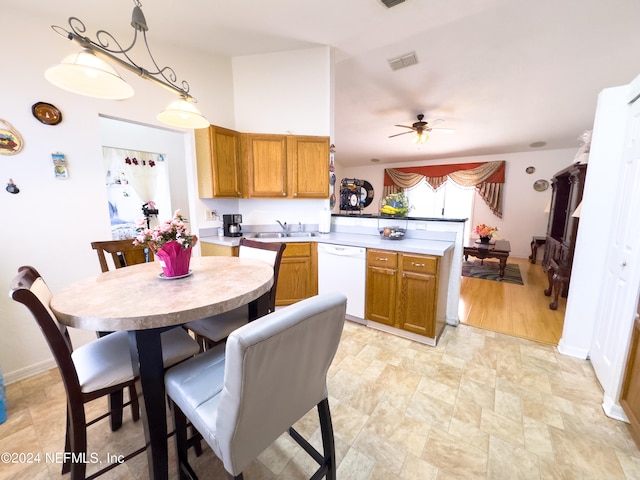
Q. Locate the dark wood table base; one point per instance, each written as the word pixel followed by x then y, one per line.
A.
pixel 499 250
pixel 536 241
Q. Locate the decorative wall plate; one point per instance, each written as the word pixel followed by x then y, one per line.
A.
pixel 540 185
pixel 10 140
pixel 366 194
pixel 46 113
pixel 530 169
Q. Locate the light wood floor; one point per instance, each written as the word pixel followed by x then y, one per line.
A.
pixel 519 310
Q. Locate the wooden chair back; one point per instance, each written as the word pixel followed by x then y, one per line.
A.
pixel 123 253
pixel 29 288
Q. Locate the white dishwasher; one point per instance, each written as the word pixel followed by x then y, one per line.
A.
pixel 343 269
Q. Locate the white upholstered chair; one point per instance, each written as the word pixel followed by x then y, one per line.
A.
pixel 272 372
pixel 212 330
pixel 99 368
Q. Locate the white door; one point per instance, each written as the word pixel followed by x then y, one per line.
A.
pixel 619 297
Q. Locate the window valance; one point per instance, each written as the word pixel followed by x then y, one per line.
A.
pixel 486 177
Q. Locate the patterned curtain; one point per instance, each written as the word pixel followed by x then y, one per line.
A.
pixel 487 178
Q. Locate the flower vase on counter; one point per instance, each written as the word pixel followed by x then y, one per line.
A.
pixel 485 239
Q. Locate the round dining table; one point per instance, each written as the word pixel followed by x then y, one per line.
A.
pixel 141 300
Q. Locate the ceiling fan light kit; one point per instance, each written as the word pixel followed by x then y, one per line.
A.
pixel 89 72
pixel 421 129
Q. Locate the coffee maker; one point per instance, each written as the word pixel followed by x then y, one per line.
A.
pixel 231 225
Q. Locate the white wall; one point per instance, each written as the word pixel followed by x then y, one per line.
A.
pixel 523 207
pixel 51 222
pixel 284 92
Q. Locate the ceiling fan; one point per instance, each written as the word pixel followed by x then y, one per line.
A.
pixel 421 128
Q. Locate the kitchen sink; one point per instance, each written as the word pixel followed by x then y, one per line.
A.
pixel 281 234
pixel 302 234
pixel 268 235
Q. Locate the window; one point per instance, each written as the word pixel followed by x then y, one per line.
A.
pixel 449 201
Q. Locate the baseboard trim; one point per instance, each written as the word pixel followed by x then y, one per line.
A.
pixel 402 333
pixel 581 353
pixel 30 371
pixel 613 410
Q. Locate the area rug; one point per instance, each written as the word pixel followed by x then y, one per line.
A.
pixel 488 270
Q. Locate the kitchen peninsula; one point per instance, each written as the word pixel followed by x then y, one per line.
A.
pixel 425 266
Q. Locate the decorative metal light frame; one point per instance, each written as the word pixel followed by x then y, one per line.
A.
pixel 107 47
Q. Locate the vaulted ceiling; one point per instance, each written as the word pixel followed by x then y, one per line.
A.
pixel 503 73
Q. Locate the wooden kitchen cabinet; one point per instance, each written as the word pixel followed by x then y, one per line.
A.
pixel 402 292
pixel 381 285
pixel 308 159
pixel 417 294
pixel 215 250
pixel 281 166
pixel 219 162
pixel 298 277
pixel 266 165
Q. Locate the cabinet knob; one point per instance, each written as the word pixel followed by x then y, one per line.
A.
pixel 239 193
pixel 295 194
pixel 284 194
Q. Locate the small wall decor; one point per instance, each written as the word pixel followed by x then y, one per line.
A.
pixel 46 113
pixel 10 140
pixel 530 170
pixel 12 187
pixel 59 166
pixel 540 185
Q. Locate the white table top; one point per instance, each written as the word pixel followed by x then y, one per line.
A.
pixel 136 298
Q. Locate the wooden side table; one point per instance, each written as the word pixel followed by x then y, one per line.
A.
pixel 536 241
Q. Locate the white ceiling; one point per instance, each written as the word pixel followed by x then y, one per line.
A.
pixel 502 73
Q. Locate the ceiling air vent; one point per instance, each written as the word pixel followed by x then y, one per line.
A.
pixel 403 61
pixel 391 3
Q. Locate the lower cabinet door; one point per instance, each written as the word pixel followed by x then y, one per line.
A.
pixel 381 295
pixel 416 303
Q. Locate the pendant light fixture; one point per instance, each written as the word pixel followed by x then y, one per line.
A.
pixel 89 72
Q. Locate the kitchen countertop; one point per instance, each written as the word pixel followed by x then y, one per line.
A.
pixel 412 245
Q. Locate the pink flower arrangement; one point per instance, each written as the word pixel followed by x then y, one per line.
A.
pixel 484 230
pixel 174 230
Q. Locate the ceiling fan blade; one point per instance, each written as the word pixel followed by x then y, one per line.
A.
pixel 436 121
pixel 404 126
pixel 403 133
pixel 444 130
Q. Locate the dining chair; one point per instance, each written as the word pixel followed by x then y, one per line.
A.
pixel 123 253
pixel 242 395
pixel 212 330
pixel 100 368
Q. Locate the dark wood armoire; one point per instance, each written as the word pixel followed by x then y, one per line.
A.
pixel 567 187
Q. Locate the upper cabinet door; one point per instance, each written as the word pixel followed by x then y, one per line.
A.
pixel 219 162
pixel 266 157
pixel 309 166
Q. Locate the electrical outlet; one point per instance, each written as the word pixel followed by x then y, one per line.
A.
pixel 211 214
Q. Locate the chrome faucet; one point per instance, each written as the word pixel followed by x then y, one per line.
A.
pixel 285 228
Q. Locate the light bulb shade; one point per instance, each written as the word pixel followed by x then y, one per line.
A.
pixel 420 137
pixel 86 74
pixel 184 114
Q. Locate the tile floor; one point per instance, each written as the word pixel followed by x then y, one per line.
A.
pixel 480 405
